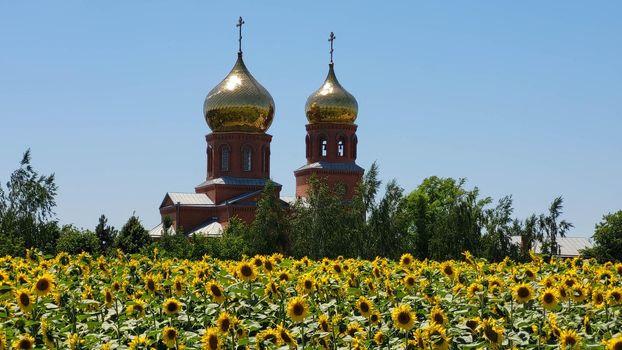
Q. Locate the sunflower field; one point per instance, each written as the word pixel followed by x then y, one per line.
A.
pixel 272 302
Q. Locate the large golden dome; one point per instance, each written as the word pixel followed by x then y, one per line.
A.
pixel 239 103
pixel 331 103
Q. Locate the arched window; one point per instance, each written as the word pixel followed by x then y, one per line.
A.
pixel 323 147
pixel 355 142
pixel 266 160
pixel 247 158
pixel 341 146
pixel 225 154
pixel 308 144
pixel 210 160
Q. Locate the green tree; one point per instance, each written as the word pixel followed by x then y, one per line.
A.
pixel 133 236
pixel 550 227
pixel 607 239
pixel 499 227
pixel 105 233
pixel 27 211
pixel 75 241
pixel 269 231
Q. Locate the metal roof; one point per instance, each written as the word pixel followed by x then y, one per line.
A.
pixel 208 229
pixel 568 246
pixel 333 166
pixel 189 198
pixel 228 180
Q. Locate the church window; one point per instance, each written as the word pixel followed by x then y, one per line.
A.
pixel 355 142
pixel 323 147
pixel 247 156
pixel 224 158
pixel 308 144
pixel 341 147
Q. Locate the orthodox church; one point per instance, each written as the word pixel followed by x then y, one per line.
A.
pixel 239 111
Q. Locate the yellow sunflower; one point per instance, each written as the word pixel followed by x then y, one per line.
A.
pixel 380 338
pixel 365 306
pixel 437 337
pixel 492 332
pixel 151 282
pixel 598 298
pixel 286 337
pixel 323 323
pixel 549 298
pixel 403 317
pixel 171 306
pixel 44 285
pixel 216 292
pixel 24 300
pixel 569 339
pixel 406 260
pixel 297 309
pixel 448 269
pixel 614 296
pixel 410 281
pixel 223 323
pixel 246 271
pixel 169 337
pixel 137 341
pixel 178 285
pixel 438 316
pixel 522 292
pixel 613 343
pixel 24 342
pixel 211 340
pixel 108 297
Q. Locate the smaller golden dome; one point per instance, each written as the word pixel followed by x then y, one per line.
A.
pixel 331 103
pixel 239 103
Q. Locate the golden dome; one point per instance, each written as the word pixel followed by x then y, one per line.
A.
pixel 331 103
pixel 239 103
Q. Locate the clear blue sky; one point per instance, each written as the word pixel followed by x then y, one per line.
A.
pixel 521 98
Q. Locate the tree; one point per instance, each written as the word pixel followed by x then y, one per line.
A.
pixel 133 236
pixel 607 239
pixel 549 227
pixel 269 231
pixel 27 211
pixel 105 233
pixel 75 241
pixel 499 228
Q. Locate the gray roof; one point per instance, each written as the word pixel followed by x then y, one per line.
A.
pixel 333 166
pixel 228 180
pixel 209 228
pixel 190 198
pixel 568 246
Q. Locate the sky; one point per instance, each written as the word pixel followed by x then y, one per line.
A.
pixel 520 98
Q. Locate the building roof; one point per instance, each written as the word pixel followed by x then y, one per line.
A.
pixel 333 166
pixel 210 228
pixel 187 199
pixel 568 246
pixel 229 180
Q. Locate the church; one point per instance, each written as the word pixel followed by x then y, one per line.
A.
pixel 239 112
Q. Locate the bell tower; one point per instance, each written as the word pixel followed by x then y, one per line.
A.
pixel 331 142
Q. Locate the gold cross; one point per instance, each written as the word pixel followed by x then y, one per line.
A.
pixel 239 25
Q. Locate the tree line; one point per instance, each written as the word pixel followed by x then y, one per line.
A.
pixel 440 219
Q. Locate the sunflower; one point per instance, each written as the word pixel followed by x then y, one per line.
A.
pixel 178 285
pixel 136 309
pixel 151 282
pixel 297 309
pixel 3 342
pixel 25 342
pixel 492 333
pixel 522 293
pixel 306 284
pixel 474 289
pixel 45 334
pixel 286 337
pixel 169 336
pixel 614 296
pixel 448 269
pixel 216 292
pixel 614 343
pixel 403 317
pixel 171 306
pixel 365 306
pixel 223 323
pixel 137 341
pixel 549 298
pixel 44 285
pixel 473 323
pixel 210 339
pixel 569 339
pixel 323 323
pixel 108 298
pixel 24 300
pixel 598 298
pixel 578 293
pixel 246 271
pixel 438 316
pixel 406 260
pixel 380 338
pixel 409 281
pixel 374 317
pixel 354 329
pixel 437 337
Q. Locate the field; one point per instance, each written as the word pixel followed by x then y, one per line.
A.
pixel 268 302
